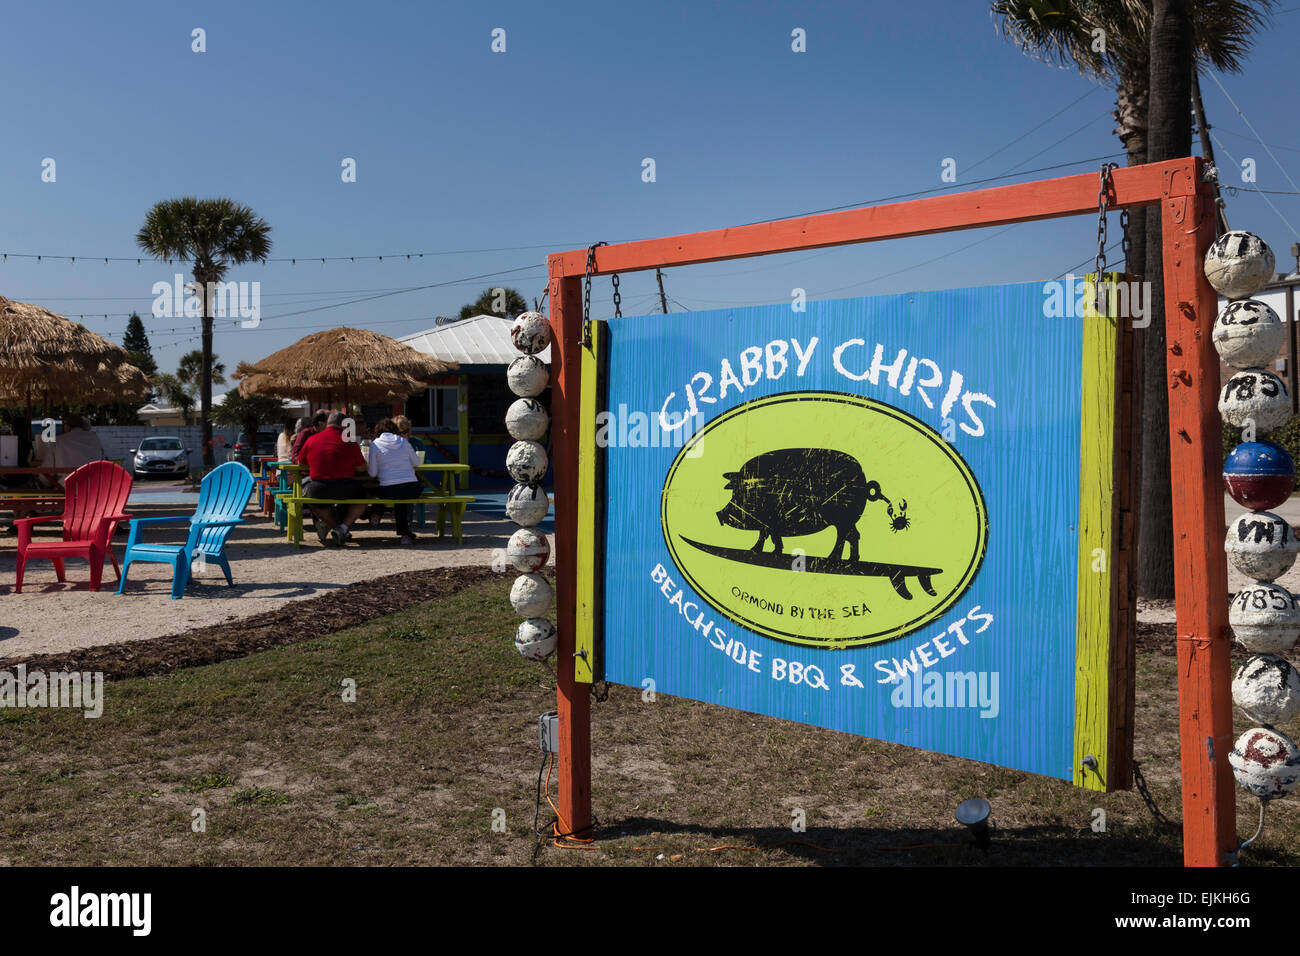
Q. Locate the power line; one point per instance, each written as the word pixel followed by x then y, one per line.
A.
pixel 1035 129
pixel 1263 192
pixel 936 189
pixel 392 291
pixel 1251 127
pixel 414 288
pixel 1253 188
pixel 1091 260
pixel 1058 142
pixel 141 298
pixel 918 265
pixel 1230 132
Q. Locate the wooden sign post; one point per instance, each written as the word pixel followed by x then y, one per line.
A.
pixel 1187 218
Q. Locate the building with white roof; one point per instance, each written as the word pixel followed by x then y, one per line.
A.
pixel 476 392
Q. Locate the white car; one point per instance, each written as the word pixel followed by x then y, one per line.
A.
pixel 160 455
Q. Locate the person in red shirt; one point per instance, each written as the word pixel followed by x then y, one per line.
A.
pixel 333 464
pixel 317 425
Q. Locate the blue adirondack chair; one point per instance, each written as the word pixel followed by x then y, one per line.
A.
pixel 223 495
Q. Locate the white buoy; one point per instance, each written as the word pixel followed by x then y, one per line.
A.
pixel 531 595
pixel 527 505
pixel 1239 264
pixel 1265 763
pixel 1264 618
pixel 527 462
pixel 530 333
pixel 527 419
pixel 1255 394
pixel 1267 688
pixel 528 550
pixel 1261 545
pixel 535 638
pixel 528 376
pixel 1248 334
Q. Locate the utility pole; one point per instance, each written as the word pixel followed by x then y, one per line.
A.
pixel 1207 150
pixel 663 300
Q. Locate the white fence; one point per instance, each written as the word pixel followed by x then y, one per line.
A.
pixel 120 439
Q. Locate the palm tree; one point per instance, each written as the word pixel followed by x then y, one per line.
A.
pixel 1062 32
pixel 486 304
pixel 1169 136
pixel 176 393
pixel 212 235
pixel 190 369
pixel 1219 33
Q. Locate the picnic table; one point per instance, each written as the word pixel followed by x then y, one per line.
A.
pixel 34 471
pixel 23 503
pixel 443 495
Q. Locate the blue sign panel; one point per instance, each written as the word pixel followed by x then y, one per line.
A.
pixel 862 516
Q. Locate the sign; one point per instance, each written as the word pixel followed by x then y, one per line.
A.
pixel 859 463
pixel 892 516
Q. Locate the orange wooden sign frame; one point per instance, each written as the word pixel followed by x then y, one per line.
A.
pixel 1186 206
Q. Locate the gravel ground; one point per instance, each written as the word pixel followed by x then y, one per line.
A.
pixel 51 618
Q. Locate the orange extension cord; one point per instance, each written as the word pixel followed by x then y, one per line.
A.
pixel 574 842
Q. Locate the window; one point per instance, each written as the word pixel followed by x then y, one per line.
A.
pixel 442 408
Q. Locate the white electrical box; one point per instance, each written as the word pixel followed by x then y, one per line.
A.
pixel 548 732
pixel 8 451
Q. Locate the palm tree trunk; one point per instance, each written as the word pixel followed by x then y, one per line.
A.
pixel 1169 136
pixel 205 380
pixel 1131 116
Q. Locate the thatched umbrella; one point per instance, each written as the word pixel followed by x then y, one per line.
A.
pixel 356 365
pixel 45 356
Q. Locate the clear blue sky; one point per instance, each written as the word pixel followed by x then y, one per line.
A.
pixel 460 148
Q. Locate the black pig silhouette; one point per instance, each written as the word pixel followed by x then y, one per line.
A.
pixel 799 491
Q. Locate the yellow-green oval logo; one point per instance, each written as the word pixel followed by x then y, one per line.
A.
pixel 824 519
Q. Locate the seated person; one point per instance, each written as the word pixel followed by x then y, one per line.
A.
pixel 284 442
pixel 393 461
pixel 333 464
pixel 77 446
pixel 404 429
pixel 317 424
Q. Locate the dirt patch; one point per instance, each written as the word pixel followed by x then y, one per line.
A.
pixel 301 620
pixel 1157 639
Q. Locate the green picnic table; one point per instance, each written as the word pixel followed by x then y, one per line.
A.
pixel 442 495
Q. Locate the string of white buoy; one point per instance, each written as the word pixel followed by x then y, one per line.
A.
pixel 1259 474
pixel 527 503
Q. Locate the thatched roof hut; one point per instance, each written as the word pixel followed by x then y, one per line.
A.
pixel 350 365
pixel 45 357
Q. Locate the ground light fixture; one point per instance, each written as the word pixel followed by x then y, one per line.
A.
pixel 974 815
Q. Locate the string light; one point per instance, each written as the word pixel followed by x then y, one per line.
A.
pixel 293 260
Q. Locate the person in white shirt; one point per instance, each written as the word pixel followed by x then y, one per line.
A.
pixel 76 446
pixel 284 443
pixel 392 460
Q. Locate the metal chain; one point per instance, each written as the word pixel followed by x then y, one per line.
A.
pixel 1148 799
pixel 1127 246
pixel 586 293
pixel 1099 264
pixel 618 298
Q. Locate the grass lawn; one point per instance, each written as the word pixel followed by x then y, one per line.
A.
pixel 443 733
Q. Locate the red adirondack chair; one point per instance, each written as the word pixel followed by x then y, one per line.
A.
pixel 93 498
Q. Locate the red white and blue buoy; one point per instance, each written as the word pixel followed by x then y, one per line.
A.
pixel 1259 475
